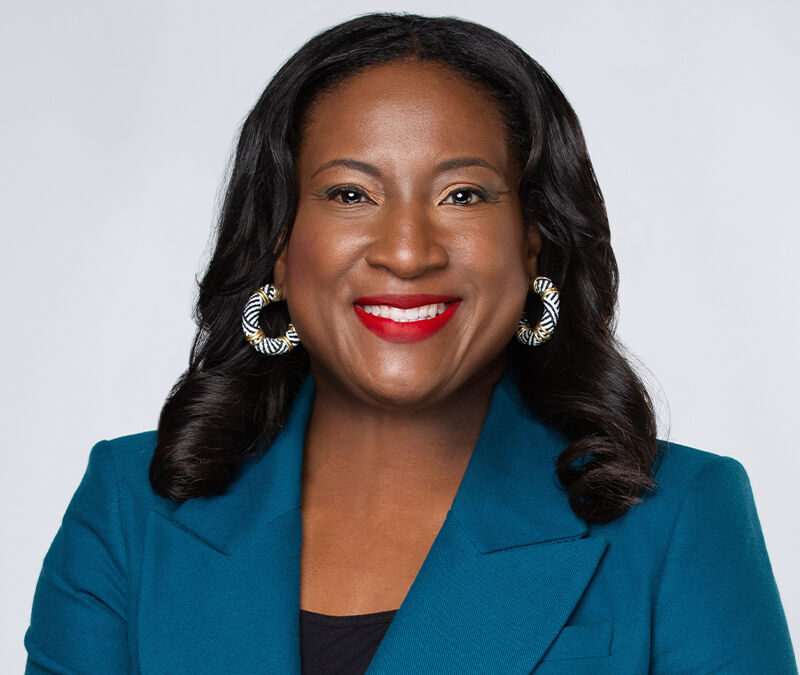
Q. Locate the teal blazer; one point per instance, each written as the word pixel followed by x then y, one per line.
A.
pixel 514 582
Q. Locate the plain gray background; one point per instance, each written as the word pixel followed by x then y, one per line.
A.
pixel 118 121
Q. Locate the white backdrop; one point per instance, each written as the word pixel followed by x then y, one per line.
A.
pixel 118 121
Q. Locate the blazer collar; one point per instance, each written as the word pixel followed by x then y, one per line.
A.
pixel 509 494
pixel 220 583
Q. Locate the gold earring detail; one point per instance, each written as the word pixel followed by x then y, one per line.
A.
pixel 269 346
pixel 543 330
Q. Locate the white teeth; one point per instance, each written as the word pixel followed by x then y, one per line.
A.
pixel 403 315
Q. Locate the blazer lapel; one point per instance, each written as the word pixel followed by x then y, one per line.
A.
pixel 509 564
pixel 220 580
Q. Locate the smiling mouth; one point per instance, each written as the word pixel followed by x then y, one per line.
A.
pixel 420 313
pixel 405 324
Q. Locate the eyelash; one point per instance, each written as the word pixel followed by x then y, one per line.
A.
pixel 335 192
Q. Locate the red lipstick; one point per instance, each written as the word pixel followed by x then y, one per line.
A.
pixel 405 331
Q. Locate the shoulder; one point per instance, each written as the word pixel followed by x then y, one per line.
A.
pixel 676 462
pixel 130 455
pixel 701 516
pixel 682 472
pixel 694 489
pixel 121 466
pixel 126 457
pixel 712 569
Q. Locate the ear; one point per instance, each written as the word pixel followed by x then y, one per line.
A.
pixel 534 241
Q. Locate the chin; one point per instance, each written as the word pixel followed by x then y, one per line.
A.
pixel 401 388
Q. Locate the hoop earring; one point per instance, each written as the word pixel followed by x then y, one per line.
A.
pixel 269 346
pixel 543 330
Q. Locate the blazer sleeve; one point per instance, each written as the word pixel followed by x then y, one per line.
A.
pixel 79 623
pixel 718 607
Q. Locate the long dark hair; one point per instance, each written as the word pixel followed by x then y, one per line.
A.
pixel 231 400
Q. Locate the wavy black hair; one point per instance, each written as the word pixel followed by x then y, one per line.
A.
pixel 231 400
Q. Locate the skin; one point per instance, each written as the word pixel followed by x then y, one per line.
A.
pixel 394 424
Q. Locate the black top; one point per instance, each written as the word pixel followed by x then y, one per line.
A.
pixel 340 645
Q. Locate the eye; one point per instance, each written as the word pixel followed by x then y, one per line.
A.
pixel 347 194
pixel 465 196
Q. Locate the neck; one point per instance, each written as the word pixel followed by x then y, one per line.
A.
pixel 365 457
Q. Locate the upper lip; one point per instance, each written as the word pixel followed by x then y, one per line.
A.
pixel 404 301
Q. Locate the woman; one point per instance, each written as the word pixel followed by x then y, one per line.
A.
pixel 375 460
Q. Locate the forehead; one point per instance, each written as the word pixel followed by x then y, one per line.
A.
pixel 410 108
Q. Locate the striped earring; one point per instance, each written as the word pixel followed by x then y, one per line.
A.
pixel 269 346
pixel 542 331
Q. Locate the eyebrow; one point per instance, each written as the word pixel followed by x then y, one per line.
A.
pixel 372 170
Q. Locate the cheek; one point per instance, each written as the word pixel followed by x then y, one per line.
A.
pixel 311 258
pixel 302 280
pixel 317 266
pixel 300 261
pixel 497 259
pixel 319 253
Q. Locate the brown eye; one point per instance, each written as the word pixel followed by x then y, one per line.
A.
pixel 465 196
pixel 347 195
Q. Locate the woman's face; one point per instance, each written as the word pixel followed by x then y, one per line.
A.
pixel 407 186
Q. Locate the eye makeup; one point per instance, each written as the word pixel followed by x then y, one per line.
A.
pixel 350 193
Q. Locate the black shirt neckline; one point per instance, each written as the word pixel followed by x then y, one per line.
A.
pixel 386 616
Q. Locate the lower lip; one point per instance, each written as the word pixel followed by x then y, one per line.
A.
pixel 406 331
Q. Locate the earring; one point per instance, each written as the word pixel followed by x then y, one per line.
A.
pixel 542 331
pixel 270 346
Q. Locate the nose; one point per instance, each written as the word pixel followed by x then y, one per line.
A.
pixel 407 243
